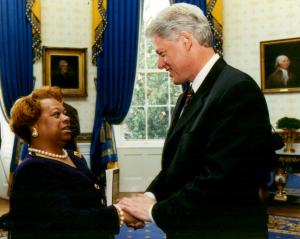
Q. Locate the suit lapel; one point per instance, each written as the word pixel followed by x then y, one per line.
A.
pixel 197 100
pixel 177 111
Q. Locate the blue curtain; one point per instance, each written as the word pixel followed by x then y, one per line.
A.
pixel 16 68
pixel 116 74
pixel 16 62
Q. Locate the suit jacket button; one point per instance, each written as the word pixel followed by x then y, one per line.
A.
pixel 97 186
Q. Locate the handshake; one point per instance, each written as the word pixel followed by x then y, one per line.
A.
pixel 135 211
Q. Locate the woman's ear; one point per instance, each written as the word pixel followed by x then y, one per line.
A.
pixel 34 132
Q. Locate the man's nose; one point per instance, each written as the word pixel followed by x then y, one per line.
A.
pixel 160 63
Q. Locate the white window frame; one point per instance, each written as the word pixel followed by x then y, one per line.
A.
pixel 119 129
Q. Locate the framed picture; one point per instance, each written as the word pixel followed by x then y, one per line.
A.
pixel 280 65
pixel 66 68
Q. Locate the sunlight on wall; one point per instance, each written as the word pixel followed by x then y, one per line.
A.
pixel 246 24
pixel 68 23
pixel 153 7
pixel 5 154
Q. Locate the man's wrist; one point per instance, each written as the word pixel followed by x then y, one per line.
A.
pixel 150 195
pixel 150 213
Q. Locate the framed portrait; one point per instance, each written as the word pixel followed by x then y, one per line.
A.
pixel 66 68
pixel 280 65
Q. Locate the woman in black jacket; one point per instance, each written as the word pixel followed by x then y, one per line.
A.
pixel 54 194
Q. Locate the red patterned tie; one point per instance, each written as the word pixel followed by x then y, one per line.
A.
pixel 188 98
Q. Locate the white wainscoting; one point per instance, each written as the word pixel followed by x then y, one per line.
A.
pixel 84 149
pixel 138 167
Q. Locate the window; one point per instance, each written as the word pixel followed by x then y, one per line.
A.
pixel 154 95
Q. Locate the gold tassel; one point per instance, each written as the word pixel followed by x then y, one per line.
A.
pixel 214 14
pixel 99 22
pixel 33 14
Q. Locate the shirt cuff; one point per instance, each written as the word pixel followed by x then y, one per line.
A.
pixel 152 196
pixel 150 214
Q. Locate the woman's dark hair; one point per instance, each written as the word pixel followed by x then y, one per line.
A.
pixel 27 110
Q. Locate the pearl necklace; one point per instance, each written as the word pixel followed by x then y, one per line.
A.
pixel 45 153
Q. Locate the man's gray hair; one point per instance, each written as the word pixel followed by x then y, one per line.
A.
pixel 181 17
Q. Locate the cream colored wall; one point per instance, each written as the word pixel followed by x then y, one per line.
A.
pixel 67 23
pixel 248 22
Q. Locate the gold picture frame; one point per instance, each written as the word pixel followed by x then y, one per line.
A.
pixel 276 55
pixel 66 68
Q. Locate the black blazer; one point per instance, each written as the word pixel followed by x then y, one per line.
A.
pixel 50 199
pixel 214 159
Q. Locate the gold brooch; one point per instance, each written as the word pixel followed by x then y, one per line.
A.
pixel 96 186
pixel 76 153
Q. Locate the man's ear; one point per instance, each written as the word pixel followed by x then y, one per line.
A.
pixel 186 38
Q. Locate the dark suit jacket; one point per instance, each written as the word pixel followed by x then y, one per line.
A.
pixel 74 126
pixel 50 199
pixel 214 159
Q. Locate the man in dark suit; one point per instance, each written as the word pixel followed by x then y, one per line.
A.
pixel 74 126
pixel 217 151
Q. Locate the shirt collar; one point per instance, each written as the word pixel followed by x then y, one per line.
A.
pixel 204 72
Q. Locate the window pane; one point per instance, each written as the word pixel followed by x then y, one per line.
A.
pixel 157 90
pixel 151 57
pixel 134 127
pixel 149 115
pixel 141 51
pixel 172 111
pixel 139 90
pixel 175 91
pixel 158 121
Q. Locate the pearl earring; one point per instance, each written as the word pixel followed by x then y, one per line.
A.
pixel 34 133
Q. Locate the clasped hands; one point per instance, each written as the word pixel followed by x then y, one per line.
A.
pixel 136 210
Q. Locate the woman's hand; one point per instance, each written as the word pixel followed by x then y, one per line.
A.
pixel 138 206
pixel 130 220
